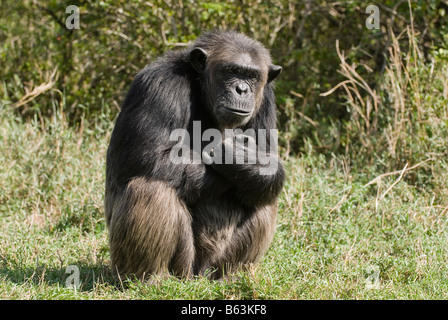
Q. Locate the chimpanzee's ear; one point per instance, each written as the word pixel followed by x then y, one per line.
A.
pixel 198 57
pixel 273 72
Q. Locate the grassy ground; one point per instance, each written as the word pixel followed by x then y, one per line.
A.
pixel 336 238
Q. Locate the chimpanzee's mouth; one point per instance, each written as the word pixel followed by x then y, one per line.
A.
pixel 240 112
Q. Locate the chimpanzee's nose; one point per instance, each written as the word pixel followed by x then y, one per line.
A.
pixel 242 88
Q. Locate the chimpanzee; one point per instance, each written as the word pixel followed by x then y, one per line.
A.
pixel 194 217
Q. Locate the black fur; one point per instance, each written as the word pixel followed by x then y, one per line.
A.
pixel 166 95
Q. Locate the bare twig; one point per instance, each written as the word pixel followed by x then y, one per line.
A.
pixel 354 80
pixel 396 172
pixel 334 88
pixel 340 202
pixel 30 95
pixel 390 188
pixel 444 210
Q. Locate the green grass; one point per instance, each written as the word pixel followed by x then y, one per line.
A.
pixel 332 229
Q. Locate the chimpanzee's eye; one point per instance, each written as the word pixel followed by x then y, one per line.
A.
pixel 231 70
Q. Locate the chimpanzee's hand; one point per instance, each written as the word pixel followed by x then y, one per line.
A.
pixel 238 151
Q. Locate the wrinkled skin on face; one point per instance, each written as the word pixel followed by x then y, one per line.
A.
pixel 233 80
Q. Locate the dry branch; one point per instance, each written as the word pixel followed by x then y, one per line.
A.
pixel 396 172
pixel 30 95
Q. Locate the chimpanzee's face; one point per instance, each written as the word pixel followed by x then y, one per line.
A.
pixel 233 87
pixel 238 88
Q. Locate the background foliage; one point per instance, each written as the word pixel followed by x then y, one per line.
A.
pixel 91 68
